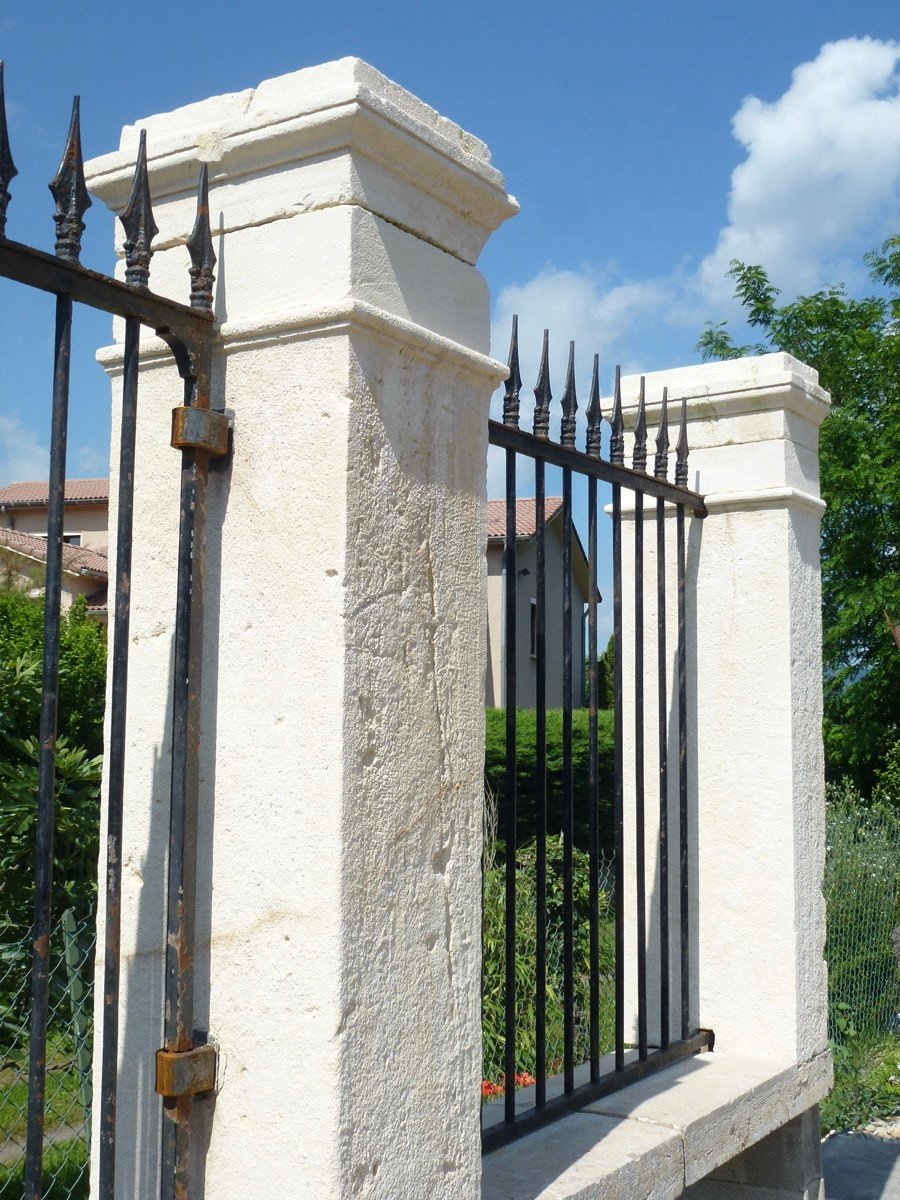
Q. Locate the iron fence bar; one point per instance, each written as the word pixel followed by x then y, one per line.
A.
pixel 540 640
pixel 592 448
pixel 616 452
pixel 24 264
pixel 682 775
pixel 186 715
pixel 509 699
pixel 639 463
pixel 568 796
pixel 508 437
pixel 567 439
pixel 43 887
pixel 499 1135
pixel 660 469
pixel 593 797
pixel 639 822
pixel 663 775
pixel 116 768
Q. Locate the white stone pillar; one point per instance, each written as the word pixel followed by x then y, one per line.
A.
pixel 754 699
pixel 338 955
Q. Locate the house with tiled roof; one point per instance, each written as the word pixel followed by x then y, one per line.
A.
pixel 526 570
pixel 23 533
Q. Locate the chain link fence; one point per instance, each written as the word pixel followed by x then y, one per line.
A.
pixel 862 898
pixel 69 1049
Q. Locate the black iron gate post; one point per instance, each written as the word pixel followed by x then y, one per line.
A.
pixel 183 1070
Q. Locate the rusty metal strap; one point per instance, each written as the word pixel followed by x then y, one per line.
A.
pixel 185 1072
pixel 200 429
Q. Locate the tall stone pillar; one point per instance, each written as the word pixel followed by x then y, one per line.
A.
pixel 755 761
pixel 338 931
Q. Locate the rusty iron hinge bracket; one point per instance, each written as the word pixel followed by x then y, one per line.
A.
pixel 200 429
pixel 185 1072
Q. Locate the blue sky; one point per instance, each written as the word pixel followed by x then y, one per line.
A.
pixel 646 142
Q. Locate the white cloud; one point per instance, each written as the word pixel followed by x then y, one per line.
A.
pixel 818 185
pixel 21 454
pixel 24 456
pixel 822 169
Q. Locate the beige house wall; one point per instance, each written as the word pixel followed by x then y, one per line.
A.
pixel 91 521
pixel 526 666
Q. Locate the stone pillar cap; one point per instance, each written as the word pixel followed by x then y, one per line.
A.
pixel 335 110
pixel 749 384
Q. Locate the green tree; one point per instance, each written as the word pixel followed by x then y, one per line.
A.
pixel 80 741
pixel 855 347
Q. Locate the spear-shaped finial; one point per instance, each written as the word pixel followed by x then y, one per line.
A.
pixel 542 393
pixel 593 411
pixel 70 192
pixel 7 166
pixel 569 403
pixel 514 379
pixel 661 464
pixel 200 248
pixel 617 438
pixel 137 221
pixel 639 457
pixel 681 449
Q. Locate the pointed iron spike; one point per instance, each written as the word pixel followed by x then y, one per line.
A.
pixel 137 221
pixel 639 458
pixel 569 403
pixel 617 438
pixel 514 379
pixel 593 411
pixel 200 248
pixel 661 465
pixel 7 166
pixel 70 192
pixel 681 450
pixel 542 393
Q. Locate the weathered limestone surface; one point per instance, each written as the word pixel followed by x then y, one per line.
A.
pixel 338 955
pixel 661 1135
pixel 786 1165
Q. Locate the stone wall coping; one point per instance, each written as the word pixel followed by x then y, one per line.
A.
pixel 661 1134
pixel 337 107
pixel 751 384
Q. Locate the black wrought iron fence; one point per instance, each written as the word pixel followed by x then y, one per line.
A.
pixel 200 434
pixel 596 1056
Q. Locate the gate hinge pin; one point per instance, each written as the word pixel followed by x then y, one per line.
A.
pixel 200 429
pixel 185 1072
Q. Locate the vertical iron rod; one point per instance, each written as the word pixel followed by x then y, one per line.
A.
pixel 118 700
pixel 540 716
pixel 618 763
pixel 682 778
pixel 663 775
pixel 594 832
pixel 568 798
pixel 43 885
pixel 639 798
pixel 179 969
pixel 509 565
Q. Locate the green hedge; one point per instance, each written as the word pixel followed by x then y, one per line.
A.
pixel 495 773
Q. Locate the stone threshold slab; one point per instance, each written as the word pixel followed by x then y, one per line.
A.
pixel 656 1137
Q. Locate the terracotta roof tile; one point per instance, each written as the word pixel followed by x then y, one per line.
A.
pixel 36 492
pixel 76 559
pixel 525 519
